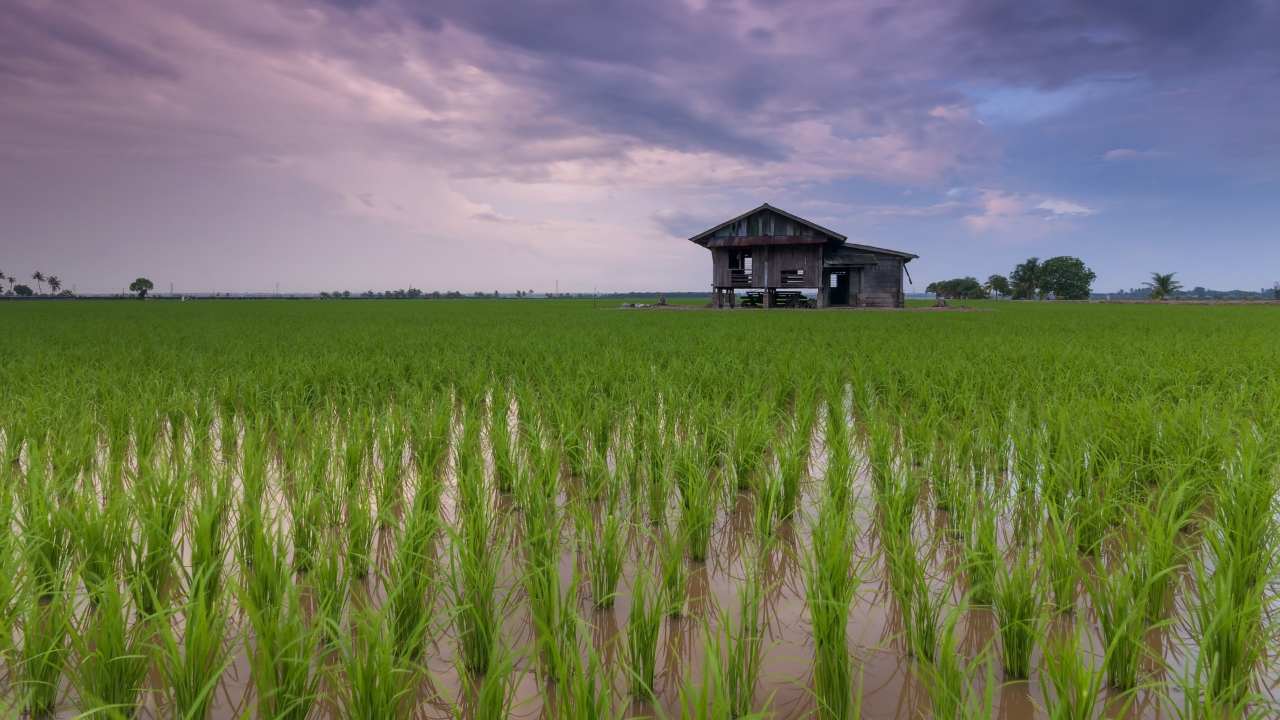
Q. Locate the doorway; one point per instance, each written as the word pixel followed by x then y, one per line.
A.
pixel 838 293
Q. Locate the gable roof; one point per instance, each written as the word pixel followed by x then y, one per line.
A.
pixel 701 237
pixel 706 240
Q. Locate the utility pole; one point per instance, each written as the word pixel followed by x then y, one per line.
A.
pixel 557 287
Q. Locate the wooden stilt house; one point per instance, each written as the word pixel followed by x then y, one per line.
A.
pixel 774 256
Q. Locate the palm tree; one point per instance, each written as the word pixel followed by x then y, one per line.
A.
pixel 54 284
pixel 1163 285
pixel 39 278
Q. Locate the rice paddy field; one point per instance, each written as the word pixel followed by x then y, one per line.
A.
pixel 487 509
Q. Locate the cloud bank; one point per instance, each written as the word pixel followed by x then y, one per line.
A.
pixel 490 145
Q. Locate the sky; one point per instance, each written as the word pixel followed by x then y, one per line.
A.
pixel 474 145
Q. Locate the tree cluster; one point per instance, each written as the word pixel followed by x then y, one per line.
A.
pixel 1063 277
pixel 22 290
pixel 965 288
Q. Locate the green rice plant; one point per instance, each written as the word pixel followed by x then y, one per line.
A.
pixel 208 540
pixel 475 563
pixel 747 447
pixel 373 678
pixel 896 501
pixel 644 622
pixel 1229 627
pixel 553 609
pixel 411 586
pixel 1058 556
pixel 675 573
pixel 1077 687
pixel 657 464
pixel 982 555
pixel 792 467
pixel 767 504
pixel 1018 604
pixel 831 582
pixel 158 499
pixel 700 498
pixel 1118 595
pixel 101 540
pixel 307 509
pixel 949 677
pixel 1198 701
pixel 923 620
pixel 265 574
pixel 838 478
pixel 944 475
pixel 1159 527
pixel 586 692
pixel 329 591
pixel 505 461
pixel 192 658
pixel 10 567
pixel 604 552
pixel 253 480
pixel 44 526
pixel 744 644
pixel 1093 508
pixel 429 434
pixel 113 656
pixel 880 450
pixel 389 483
pixel 360 527
pixel 281 654
pixel 46 623
pixel 493 696
pixel 708 697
